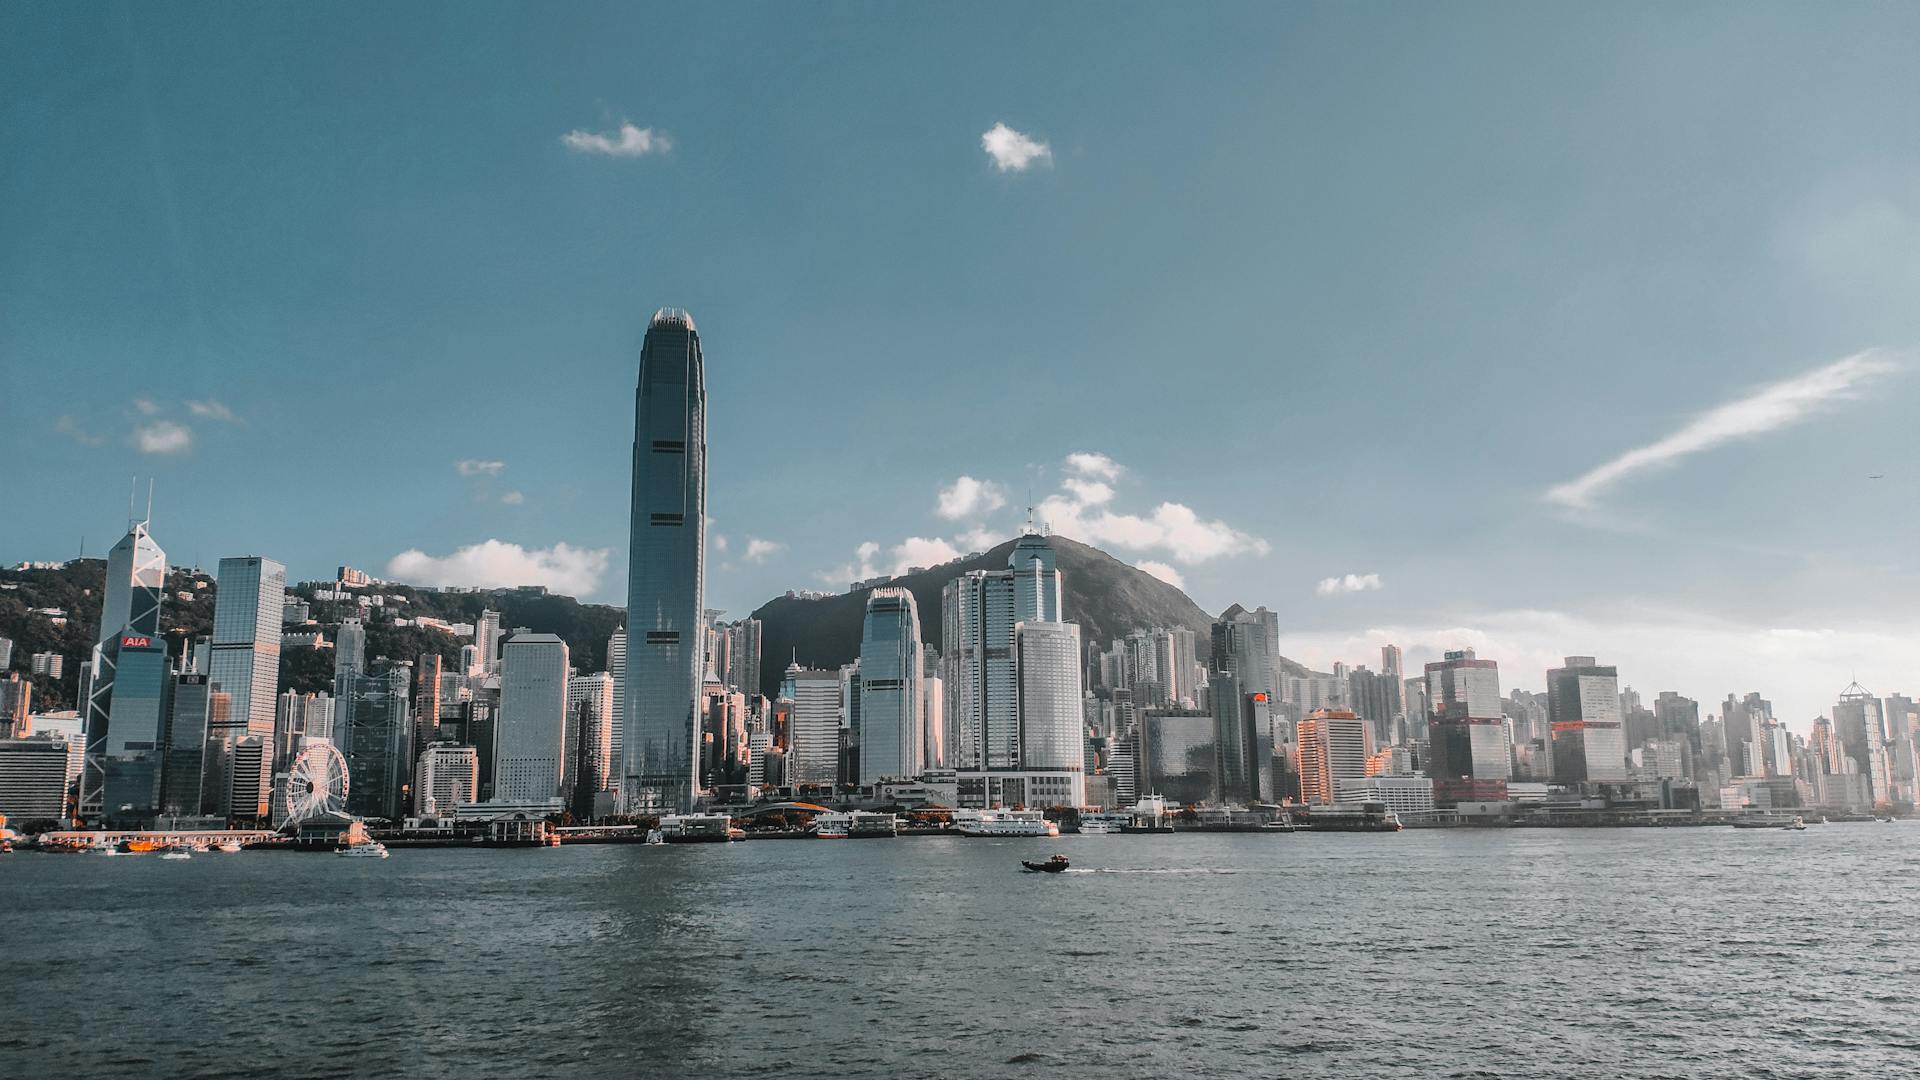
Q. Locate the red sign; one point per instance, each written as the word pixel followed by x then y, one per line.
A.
pixel 1259 697
pixel 136 641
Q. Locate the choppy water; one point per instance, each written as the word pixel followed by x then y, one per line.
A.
pixel 1589 954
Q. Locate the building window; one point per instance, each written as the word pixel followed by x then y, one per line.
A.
pixel 668 519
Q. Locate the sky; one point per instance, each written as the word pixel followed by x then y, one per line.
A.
pixel 1537 328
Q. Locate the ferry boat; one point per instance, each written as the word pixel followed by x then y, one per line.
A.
pixel 135 847
pixel 176 853
pixel 227 846
pixel 696 829
pixel 857 825
pixel 1102 824
pixel 832 827
pixel 372 849
pixel 1003 823
pixel 1348 817
pixel 1148 815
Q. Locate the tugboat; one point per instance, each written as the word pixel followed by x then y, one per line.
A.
pixel 1052 866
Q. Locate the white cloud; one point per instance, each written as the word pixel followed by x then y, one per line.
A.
pixel 1349 583
pixel 1013 151
pixel 759 551
pixel 1172 528
pixel 922 551
pixel 475 467
pixel 212 410
pixel 1088 492
pixel 913 551
pixel 628 141
pixel 162 437
pixel 71 428
pixel 146 406
pixel 978 538
pixel 1767 409
pixel 563 568
pixel 967 497
pixel 1162 571
pixel 1094 466
pixel 719 541
pixel 1799 668
pixel 513 498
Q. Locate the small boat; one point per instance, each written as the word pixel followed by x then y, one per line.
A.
pixel 175 853
pixel 136 847
pixel 1797 824
pixel 227 846
pixel 1052 866
pixel 655 838
pixel 372 849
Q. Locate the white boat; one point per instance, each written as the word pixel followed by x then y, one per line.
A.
pixel 832 826
pixel 655 838
pixel 175 853
pixel 227 846
pixel 372 849
pixel 1003 823
pixel 1101 824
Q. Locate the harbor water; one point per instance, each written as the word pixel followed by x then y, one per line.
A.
pixel 1625 953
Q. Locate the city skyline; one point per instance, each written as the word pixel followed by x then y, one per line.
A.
pixel 1673 390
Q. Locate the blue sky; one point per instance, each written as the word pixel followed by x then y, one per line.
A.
pixel 1351 292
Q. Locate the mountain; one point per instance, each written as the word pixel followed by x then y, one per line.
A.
pixel 1105 596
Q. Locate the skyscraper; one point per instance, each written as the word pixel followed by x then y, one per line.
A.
pixel 350 649
pixel 1052 733
pixel 246 639
pixel 813 726
pixel 373 729
pixel 1467 730
pixel 891 741
pixel 1334 746
pixel 486 641
pixel 1583 704
pixel 530 751
pixel 245 661
pixel 129 619
pixel 1859 728
pixel 665 573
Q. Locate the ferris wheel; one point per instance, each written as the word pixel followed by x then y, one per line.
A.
pixel 317 782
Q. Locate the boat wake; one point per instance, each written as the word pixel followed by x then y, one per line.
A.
pixel 1155 870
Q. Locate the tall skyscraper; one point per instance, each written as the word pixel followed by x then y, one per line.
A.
pixel 530 751
pixel 1467 731
pixel 373 729
pixel 1583 704
pixel 246 639
pixel 1334 745
pixel 126 681
pixel 813 726
pixel 1859 728
pixel 349 649
pixel 891 741
pixel 244 660
pixel 486 640
pixel 188 714
pixel 590 707
pixel 1052 735
pixel 665 573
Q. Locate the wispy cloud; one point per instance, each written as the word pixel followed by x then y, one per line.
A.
pixel 1093 465
pixel 476 467
pixel 562 568
pixel 513 498
pixel 212 410
pixel 628 140
pixel 1767 409
pixel 162 437
pixel 71 428
pixel 1347 583
pixel 967 497
pixel 1014 151
pixel 146 406
pixel 759 551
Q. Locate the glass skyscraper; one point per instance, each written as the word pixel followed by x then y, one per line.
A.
pixel 130 620
pixel 665 573
pixel 891 740
pixel 245 659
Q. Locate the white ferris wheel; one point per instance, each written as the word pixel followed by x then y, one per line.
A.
pixel 317 782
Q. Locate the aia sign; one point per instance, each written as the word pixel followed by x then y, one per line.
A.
pixel 136 641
